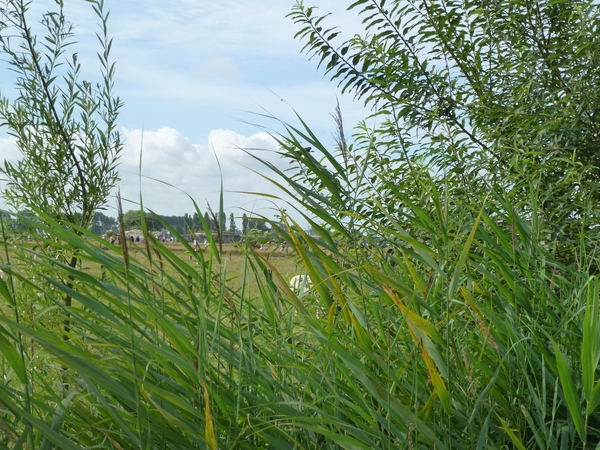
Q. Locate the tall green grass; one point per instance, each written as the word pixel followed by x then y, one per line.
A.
pixel 462 332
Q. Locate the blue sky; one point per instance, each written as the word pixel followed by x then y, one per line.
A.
pixel 191 74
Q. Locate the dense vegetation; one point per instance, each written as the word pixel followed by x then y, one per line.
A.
pixel 455 302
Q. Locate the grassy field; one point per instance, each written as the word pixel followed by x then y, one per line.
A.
pixel 436 346
pixel 233 261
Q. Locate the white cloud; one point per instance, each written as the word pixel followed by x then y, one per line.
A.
pixel 172 165
pixel 171 162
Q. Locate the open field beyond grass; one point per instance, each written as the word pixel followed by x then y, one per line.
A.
pixel 233 261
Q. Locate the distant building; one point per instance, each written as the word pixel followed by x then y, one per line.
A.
pixel 135 234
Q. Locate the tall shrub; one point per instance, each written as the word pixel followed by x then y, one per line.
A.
pixel 64 126
pixel 503 93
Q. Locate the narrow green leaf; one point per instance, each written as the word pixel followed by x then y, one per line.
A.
pixel 573 403
pixel 463 257
pixel 11 354
pixel 590 347
pixel 511 433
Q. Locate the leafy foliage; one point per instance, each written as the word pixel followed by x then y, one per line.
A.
pixel 503 93
pixel 477 339
pixel 65 127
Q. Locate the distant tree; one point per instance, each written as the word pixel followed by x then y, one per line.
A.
pixel 152 222
pixel 132 219
pixel 196 222
pixel 102 223
pixel 188 223
pixel 244 224
pixel 176 222
pixel 232 226
pixel 254 224
pixel 209 220
pixel 180 223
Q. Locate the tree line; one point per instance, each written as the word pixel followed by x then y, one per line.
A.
pixel 187 223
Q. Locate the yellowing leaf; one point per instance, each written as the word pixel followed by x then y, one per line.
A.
pixel 436 379
pixel 209 428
